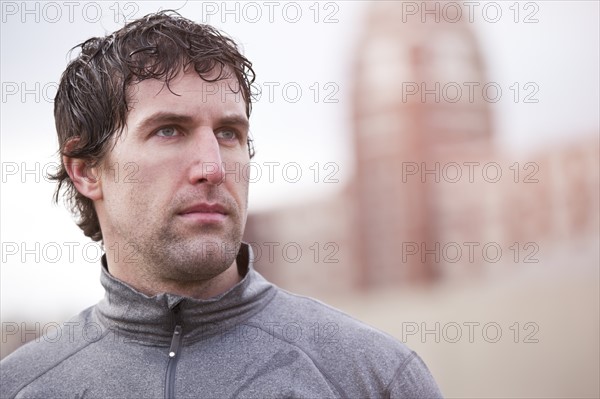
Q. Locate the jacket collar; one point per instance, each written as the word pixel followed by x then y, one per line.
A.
pixel 143 318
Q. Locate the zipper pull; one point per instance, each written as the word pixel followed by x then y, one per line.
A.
pixel 175 341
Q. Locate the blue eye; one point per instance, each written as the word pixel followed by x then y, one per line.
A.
pixel 166 132
pixel 226 135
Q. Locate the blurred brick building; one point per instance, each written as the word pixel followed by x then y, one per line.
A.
pixel 431 198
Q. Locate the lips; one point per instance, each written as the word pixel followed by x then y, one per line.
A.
pixel 204 214
pixel 205 208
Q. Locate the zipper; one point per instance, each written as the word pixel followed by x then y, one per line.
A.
pixel 173 354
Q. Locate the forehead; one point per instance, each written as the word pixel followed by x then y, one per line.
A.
pixel 186 93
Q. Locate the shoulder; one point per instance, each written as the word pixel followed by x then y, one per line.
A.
pixel 59 342
pixel 351 352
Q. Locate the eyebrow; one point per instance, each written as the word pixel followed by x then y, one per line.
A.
pixel 235 120
pixel 161 118
pixel 169 117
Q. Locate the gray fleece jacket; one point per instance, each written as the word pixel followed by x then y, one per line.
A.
pixel 253 341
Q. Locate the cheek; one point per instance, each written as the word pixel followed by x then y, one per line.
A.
pixel 134 183
pixel 122 196
pixel 155 171
pixel 237 178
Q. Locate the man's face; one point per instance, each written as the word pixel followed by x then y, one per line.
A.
pixel 179 200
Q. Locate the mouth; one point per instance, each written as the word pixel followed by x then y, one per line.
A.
pixel 204 213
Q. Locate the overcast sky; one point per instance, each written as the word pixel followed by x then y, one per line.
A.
pixel 304 52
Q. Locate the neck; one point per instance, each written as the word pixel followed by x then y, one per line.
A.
pixel 150 284
pixel 202 289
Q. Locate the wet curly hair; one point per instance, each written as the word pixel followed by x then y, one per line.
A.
pixel 91 103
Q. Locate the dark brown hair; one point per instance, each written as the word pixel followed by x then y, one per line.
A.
pixel 91 102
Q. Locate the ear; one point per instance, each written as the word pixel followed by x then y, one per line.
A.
pixel 85 178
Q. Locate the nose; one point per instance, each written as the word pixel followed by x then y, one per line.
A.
pixel 207 166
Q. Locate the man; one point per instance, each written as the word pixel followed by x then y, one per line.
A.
pixel 150 120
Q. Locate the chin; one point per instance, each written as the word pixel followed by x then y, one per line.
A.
pixel 210 252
